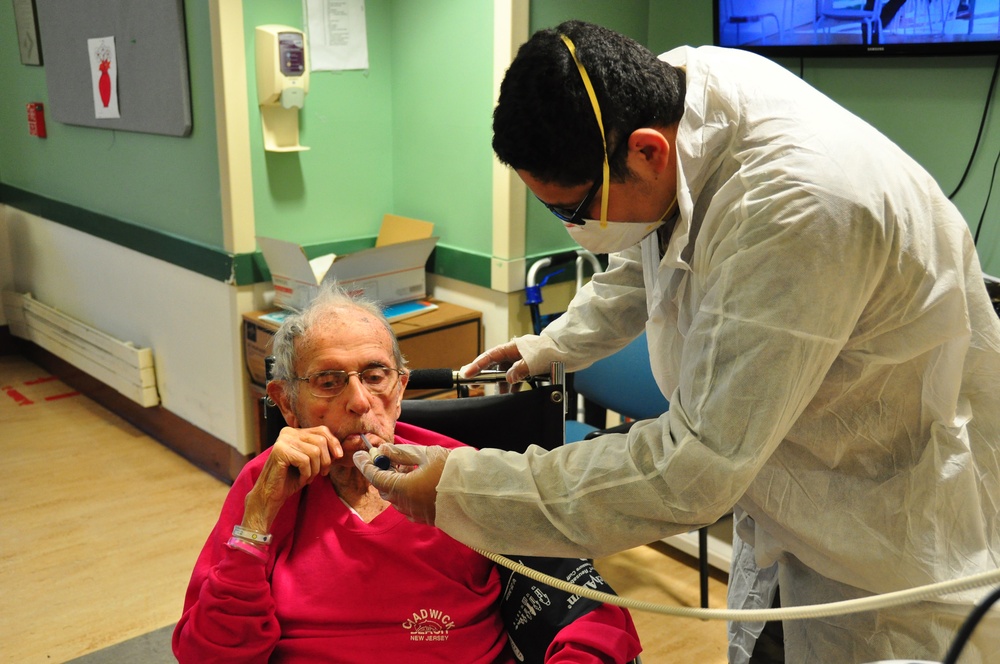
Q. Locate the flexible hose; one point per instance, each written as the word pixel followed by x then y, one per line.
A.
pixel 873 603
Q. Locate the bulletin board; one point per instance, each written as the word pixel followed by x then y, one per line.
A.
pixel 149 91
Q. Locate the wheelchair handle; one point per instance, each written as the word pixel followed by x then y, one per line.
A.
pixel 445 379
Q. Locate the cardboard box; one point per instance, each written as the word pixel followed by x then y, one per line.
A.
pixel 390 272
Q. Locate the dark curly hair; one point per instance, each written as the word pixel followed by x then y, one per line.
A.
pixel 544 122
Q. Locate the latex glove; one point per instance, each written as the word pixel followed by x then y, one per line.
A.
pixel 506 356
pixel 411 484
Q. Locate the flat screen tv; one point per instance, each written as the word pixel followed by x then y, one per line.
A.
pixel 835 28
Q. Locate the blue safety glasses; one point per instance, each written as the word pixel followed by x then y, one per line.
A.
pixel 575 216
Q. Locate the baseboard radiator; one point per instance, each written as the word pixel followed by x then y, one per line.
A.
pixel 118 364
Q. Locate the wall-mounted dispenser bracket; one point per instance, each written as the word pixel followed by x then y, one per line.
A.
pixel 282 62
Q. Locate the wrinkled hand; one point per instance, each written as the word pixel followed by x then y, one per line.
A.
pixel 412 484
pixel 297 458
pixel 505 356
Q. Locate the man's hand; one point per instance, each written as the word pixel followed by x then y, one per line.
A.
pixel 505 356
pixel 297 458
pixel 412 486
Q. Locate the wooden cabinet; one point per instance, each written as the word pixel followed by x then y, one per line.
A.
pixel 448 337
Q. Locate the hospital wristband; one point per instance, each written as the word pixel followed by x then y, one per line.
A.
pixel 258 552
pixel 251 536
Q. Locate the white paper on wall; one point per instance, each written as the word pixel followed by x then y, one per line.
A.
pixel 338 37
pixel 104 76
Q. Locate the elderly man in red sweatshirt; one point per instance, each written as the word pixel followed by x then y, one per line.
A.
pixel 308 563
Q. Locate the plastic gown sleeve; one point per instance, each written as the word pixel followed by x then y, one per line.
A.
pixel 579 338
pixel 751 364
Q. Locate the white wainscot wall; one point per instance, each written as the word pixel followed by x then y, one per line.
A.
pixel 188 320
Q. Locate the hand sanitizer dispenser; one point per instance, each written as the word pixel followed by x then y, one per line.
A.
pixel 282 84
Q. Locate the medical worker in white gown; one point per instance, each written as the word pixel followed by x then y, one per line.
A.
pixel 816 316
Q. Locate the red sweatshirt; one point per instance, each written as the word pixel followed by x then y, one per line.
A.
pixel 338 589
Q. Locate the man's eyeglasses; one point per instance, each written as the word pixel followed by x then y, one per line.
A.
pixel 328 384
pixel 575 216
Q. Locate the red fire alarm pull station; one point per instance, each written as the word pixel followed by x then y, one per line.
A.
pixel 36 119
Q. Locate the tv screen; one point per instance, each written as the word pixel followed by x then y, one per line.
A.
pixel 804 28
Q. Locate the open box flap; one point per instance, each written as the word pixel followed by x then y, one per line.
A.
pixel 381 260
pixel 288 259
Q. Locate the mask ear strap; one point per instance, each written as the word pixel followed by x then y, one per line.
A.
pixel 600 125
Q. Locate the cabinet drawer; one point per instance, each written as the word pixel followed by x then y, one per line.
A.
pixel 447 347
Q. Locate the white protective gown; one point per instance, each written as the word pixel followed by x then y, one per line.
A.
pixel 820 326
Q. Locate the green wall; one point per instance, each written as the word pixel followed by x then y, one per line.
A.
pixel 166 184
pixel 411 136
pixel 442 110
pixel 340 187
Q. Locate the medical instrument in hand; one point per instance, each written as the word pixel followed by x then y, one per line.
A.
pixel 380 460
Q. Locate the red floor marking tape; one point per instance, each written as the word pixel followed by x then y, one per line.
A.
pixel 18 397
pixel 62 396
pixel 37 381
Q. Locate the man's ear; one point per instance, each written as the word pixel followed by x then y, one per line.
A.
pixel 276 393
pixel 651 149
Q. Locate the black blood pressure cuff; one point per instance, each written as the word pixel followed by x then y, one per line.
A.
pixel 534 612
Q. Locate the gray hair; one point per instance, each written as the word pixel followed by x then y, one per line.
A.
pixel 332 300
